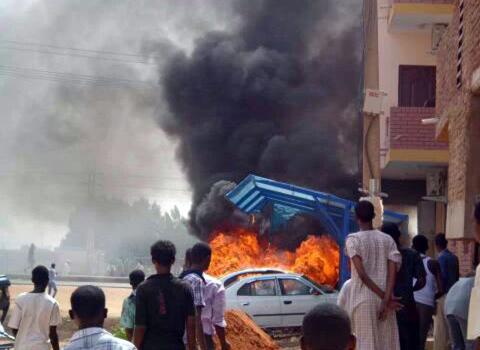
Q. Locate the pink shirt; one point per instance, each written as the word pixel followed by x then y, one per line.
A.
pixel 213 314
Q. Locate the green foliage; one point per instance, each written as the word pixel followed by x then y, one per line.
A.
pixel 119 333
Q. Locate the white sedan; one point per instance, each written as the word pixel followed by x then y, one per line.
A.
pixel 275 298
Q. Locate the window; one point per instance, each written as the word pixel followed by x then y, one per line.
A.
pixel 416 86
pixel 258 288
pixel 246 289
pixel 294 287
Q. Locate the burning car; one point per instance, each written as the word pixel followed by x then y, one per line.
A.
pixel 275 298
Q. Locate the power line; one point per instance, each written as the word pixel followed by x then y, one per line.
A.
pixel 76 55
pixel 48 74
pixel 104 52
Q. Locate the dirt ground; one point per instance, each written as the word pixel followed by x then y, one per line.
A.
pixel 115 297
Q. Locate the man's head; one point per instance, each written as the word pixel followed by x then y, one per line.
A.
pixel 327 327
pixel 365 212
pixel 477 221
pixel 163 254
pixel 420 244
pixel 88 307
pixel 201 255
pixel 53 265
pixel 188 259
pixel 40 277
pixel 441 242
pixel 136 277
pixel 393 231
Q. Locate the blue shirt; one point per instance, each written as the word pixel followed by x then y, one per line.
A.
pixel 97 339
pixel 449 269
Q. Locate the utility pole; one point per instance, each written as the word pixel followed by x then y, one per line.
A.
pixel 90 244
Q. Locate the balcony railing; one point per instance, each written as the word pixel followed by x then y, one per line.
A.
pixel 406 130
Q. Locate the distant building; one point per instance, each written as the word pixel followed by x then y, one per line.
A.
pixel 400 148
pixel 458 106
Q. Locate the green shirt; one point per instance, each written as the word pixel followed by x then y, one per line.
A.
pixel 127 320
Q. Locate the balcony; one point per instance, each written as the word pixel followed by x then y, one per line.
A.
pixel 407 15
pixel 413 147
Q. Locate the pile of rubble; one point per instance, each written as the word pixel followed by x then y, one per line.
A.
pixel 244 334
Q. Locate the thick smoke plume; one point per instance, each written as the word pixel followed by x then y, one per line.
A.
pixel 275 96
pixel 58 128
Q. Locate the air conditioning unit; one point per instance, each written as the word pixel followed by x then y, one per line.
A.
pixel 436 184
pixel 437 32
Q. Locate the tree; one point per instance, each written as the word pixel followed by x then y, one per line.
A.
pixel 126 231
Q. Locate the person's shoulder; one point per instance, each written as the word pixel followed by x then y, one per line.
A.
pixel 116 343
pixel 49 299
pixel 212 280
pixel 353 235
pixel 121 344
pixel 181 283
pixel 409 252
pixel 21 297
pixel 383 236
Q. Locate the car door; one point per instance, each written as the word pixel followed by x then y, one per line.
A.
pixel 260 299
pixel 297 298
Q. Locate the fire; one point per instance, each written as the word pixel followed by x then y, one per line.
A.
pixel 317 256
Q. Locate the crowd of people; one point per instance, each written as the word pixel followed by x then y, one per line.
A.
pixel 394 295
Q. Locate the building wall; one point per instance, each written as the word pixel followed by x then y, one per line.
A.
pixel 395 49
pixel 463 112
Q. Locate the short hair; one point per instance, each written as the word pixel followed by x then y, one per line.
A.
pixel 200 252
pixel 441 240
pixel 326 326
pixel 392 230
pixel 88 302
pixel 163 252
pixel 477 213
pixel 365 211
pixel 40 275
pixel 136 277
pixel 420 243
pixel 53 265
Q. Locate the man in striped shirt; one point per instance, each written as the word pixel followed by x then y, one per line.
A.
pixel 200 256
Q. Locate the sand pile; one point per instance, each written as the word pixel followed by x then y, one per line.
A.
pixel 244 334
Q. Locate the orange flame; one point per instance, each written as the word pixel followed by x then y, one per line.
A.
pixel 317 256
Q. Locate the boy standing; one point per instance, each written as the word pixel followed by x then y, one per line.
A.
pixel 89 312
pixel 164 306
pixel 52 281
pixel 127 320
pixel 36 316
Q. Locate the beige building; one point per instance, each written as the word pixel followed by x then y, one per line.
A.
pixel 400 147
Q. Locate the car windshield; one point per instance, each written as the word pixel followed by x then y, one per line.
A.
pixel 324 288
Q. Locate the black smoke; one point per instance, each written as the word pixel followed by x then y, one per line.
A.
pixel 276 97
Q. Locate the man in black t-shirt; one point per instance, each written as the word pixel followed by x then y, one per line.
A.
pixel 411 270
pixel 164 306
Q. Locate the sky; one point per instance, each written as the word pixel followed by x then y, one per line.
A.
pixel 79 104
pixel 87 86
